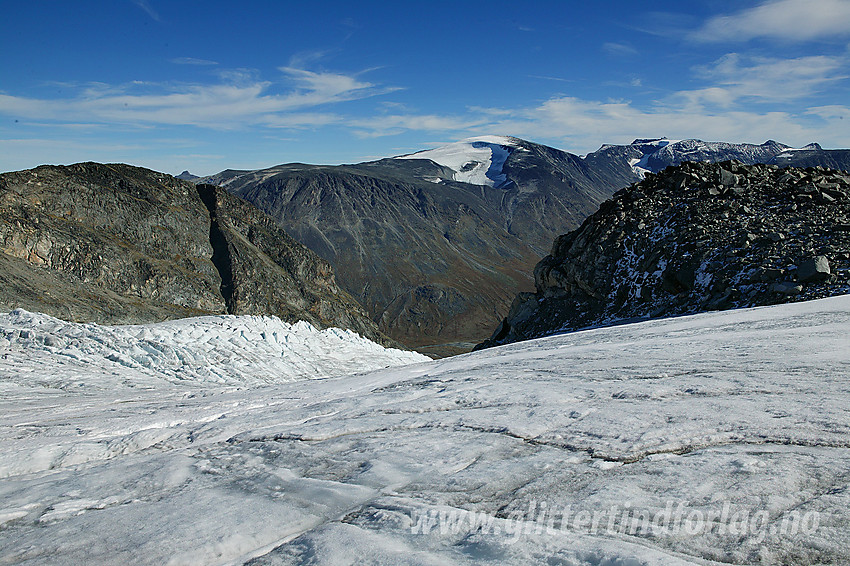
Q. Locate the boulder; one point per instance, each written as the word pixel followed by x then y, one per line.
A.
pixel 786 288
pixel 813 269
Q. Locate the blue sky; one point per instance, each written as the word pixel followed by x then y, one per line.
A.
pixel 208 85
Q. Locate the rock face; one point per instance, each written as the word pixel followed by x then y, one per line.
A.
pixel 122 244
pixel 693 238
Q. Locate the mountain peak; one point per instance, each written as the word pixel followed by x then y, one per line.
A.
pixel 646 141
pixel 186 176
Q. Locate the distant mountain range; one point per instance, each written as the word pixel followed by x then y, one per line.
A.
pixel 434 244
pixel 186 176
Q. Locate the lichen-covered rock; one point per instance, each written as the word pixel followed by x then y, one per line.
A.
pixel 121 244
pixel 693 238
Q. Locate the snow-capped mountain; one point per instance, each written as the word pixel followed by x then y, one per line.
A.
pixel 433 244
pixel 477 160
pixel 652 155
pixel 664 442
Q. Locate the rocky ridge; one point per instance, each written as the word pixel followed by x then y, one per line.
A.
pixel 120 244
pixel 693 238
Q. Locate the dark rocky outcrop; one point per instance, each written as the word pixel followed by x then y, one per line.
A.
pixel 693 238
pixel 122 244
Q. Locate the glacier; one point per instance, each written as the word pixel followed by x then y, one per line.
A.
pixel 477 160
pixel 708 439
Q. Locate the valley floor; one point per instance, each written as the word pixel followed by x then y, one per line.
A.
pixel 715 438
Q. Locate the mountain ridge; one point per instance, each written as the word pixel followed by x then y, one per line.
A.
pixel 120 244
pixel 421 271
pixel 433 259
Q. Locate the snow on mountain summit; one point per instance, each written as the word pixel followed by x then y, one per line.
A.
pixel 654 154
pixel 476 160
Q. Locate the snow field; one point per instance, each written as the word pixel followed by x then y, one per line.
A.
pixel 478 160
pixel 225 350
pixel 500 456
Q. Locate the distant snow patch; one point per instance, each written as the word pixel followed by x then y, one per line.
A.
pixel 477 160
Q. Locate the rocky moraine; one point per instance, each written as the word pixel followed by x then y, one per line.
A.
pixel 693 238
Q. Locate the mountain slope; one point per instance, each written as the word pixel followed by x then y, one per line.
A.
pixel 435 243
pixel 115 243
pixel 695 237
pixel 433 258
pixel 813 156
pixel 415 253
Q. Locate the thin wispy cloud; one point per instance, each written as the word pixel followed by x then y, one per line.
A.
pixel 145 5
pixel 304 59
pixel 797 20
pixel 192 61
pixel 725 108
pixel 736 77
pixel 242 100
pixel 546 78
pixel 618 49
pixel 395 124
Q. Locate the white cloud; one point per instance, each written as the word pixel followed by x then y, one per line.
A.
pixel 740 98
pixel 582 125
pixel 242 100
pixel 763 79
pixel 395 124
pixel 546 78
pixel 798 20
pixel 324 88
pixel 831 112
pixel 144 5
